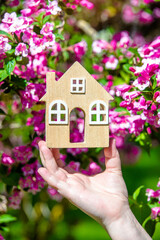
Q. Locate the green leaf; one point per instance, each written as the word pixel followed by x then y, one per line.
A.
pixel 16 37
pixel 148 10
pixel 10 65
pixel 98 150
pixel 59 36
pixel 36 29
pixel 40 16
pixel 125 76
pixel 119 109
pixel 3 75
pixel 126 67
pixel 10 52
pixel 46 19
pixel 154 81
pixel 144 141
pixel 12 179
pixel 6 218
pixel 65 55
pixel 19 83
pixel 6 34
pixel 118 81
pixel 4 229
pixel 35 24
pixel 149 225
pixel 137 192
pixel 22 60
pixel 135 51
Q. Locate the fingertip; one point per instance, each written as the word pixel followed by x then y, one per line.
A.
pixel 41 143
pixel 42 171
pixel 111 150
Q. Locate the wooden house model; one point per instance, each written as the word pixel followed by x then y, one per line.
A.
pixel 76 89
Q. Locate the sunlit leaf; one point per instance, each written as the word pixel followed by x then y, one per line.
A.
pixel 5 218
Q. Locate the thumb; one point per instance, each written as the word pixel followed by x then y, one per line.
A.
pixel 112 159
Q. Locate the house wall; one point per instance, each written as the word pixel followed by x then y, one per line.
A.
pixel 58 135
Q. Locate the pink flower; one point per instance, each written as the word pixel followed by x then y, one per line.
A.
pixel 155 212
pixel 94 168
pixel 9 18
pixel 99 45
pixel 135 2
pixel 121 89
pixel 47 28
pixel 32 183
pixel 4 45
pixel 53 8
pixel 35 142
pixel 36 121
pixel 32 94
pixel 29 169
pixel 13 3
pixel 141 83
pixel 36 45
pixel 74 166
pixel 128 14
pixel 19 24
pixel 140 104
pixel 76 151
pixel 156 96
pixel 148 1
pixel 15 198
pixel 49 40
pixel 158 184
pixel 22 154
pixel 136 124
pixel 80 49
pixel 145 17
pixel 87 4
pixel 28 35
pixel 32 3
pixel 128 96
pixel 98 68
pixel 156 12
pixel 54 194
pixel 111 62
pixel 7 160
pixel 149 131
pixel 1 237
pixel 21 49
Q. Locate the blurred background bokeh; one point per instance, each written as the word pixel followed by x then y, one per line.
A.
pixel 42 214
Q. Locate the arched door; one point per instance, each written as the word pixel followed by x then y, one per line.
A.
pixel 77 125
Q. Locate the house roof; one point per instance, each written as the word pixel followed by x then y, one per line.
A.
pixel 76 69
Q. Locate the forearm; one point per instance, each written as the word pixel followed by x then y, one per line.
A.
pixel 126 228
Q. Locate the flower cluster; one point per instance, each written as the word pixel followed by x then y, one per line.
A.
pixel 75 3
pixel 38 40
pixel 140 12
pixel 139 96
pixel 154 199
pixel 15 198
pixel 31 179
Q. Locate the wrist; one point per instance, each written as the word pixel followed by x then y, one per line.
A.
pixel 126 227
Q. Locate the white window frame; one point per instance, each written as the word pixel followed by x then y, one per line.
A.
pixel 98 111
pixel 78 85
pixel 58 112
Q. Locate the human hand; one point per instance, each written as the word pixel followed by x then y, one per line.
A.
pixel 104 196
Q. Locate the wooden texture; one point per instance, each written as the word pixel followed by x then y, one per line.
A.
pixel 58 135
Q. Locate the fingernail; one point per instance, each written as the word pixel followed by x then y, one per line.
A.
pixel 113 147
